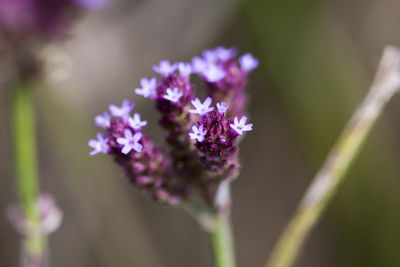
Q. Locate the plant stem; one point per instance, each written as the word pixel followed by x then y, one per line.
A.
pixel 223 242
pixel 222 236
pixel 332 173
pixel 26 171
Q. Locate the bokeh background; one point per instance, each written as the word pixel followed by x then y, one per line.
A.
pixel 317 59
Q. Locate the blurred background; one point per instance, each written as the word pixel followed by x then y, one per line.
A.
pixel 317 59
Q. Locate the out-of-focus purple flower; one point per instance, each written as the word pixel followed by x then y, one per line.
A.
pixel 148 87
pixel 93 4
pixel 198 133
pixel 102 120
pixel 201 108
pixel 198 64
pixel 130 141
pixel 122 111
pixel 213 73
pixel 248 62
pixel 50 216
pixel 99 146
pixel 173 95
pixel 135 122
pixel 241 126
pixel 185 69
pixel 224 54
pixel 165 68
pixel 222 107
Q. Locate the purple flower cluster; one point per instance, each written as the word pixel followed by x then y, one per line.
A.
pixel 226 78
pixel 41 18
pixel 202 138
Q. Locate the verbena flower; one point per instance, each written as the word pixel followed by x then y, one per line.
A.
pixel 148 87
pixel 241 126
pixel 130 142
pixel 173 95
pixel 122 111
pixel 135 122
pixel 201 108
pixel 100 145
pixel 202 139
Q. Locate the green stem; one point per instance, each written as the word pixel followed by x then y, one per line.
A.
pixel 338 162
pixel 222 240
pixel 26 168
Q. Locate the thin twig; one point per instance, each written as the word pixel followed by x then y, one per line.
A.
pixel 332 173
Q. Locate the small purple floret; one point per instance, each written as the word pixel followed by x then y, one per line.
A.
pixel 130 141
pixel 165 68
pixel 222 107
pixel 102 120
pixel 201 108
pixel 148 87
pixel 122 111
pixel 99 146
pixel 198 133
pixel 135 122
pixel 185 69
pixel 248 62
pixel 173 95
pixel 213 73
pixel 241 126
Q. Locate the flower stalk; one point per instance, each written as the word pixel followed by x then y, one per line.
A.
pixel 338 162
pixel 222 236
pixel 34 243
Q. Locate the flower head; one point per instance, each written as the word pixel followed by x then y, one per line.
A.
pixel 148 87
pixel 248 62
pixel 198 133
pixel 241 126
pixel 130 141
pixel 201 108
pixel 165 68
pixel 102 120
pixel 135 122
pixel 99 146
pixel 122 111
pixel 222 107
pixel 173 95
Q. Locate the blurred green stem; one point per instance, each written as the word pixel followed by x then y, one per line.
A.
pixel 26 172
pixel 223 242
pixel 222 235
pixel 338 162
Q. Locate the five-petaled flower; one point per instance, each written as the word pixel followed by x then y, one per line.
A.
pixel 165 68
pixel 99 146
pixel 200 108
pixel 213 73
pixel 198 133
pixel 248 62
pixel 173 95
pixel 122 111
pixel 102 120
pixel 130 141
pixel 135 122
pixel 148 87
pixel 222 107
pixel 241 126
